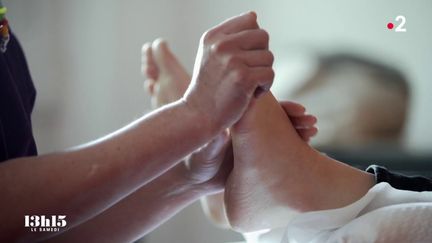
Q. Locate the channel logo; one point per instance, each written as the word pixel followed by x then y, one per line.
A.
pixel 399 25
pixel 42 223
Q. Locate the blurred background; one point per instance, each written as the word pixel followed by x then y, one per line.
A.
pixel 84 56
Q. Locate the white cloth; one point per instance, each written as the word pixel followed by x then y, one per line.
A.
pixel 384 214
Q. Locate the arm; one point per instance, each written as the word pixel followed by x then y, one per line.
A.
pixel 159 200
pixel 141 212
pixel 166 81
pixel 83 182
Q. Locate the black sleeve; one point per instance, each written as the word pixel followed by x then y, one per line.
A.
pixel 400 181
pixel 17 97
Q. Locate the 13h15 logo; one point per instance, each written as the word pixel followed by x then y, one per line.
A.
pixel 42 223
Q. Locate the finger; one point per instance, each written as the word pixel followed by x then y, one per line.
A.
pixel 255 39
pixel 258 58
pixel 148 65
pixel 261 78
pixel 303 121
pixel 238 23
pixel 292 109
pixel 307 134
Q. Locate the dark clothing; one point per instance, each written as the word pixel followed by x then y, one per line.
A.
pixel 17 97
pixel 399 181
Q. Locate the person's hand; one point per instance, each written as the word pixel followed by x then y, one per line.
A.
pixel 211 165
pixel 233 63
pixel 302 122
pixel 166 80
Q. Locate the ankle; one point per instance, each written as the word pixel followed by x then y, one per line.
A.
pixel 336 184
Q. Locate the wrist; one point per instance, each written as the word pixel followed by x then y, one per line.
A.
pixel 204 121
pixel 181 184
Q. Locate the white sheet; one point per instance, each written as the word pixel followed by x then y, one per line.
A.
pixel 384 214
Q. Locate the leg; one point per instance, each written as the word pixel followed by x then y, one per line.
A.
pixel 276 174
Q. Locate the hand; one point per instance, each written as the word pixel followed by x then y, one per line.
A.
pixel 211 165
pixel 166 79
pixel 302 122
pixel 233 61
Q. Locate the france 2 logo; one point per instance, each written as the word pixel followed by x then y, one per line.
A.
pixel 401 21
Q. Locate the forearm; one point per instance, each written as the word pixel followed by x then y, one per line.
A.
pixel 82 182
pixel 140 212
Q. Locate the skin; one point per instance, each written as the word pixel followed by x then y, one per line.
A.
pixel 204 172
pixel 144 210
pixel 259 186
pixel 232 62
pixel 166 82
pixel 277 175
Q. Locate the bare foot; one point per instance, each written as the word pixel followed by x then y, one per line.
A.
pixel 167 79
pixel 277 175
pixel 264 142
